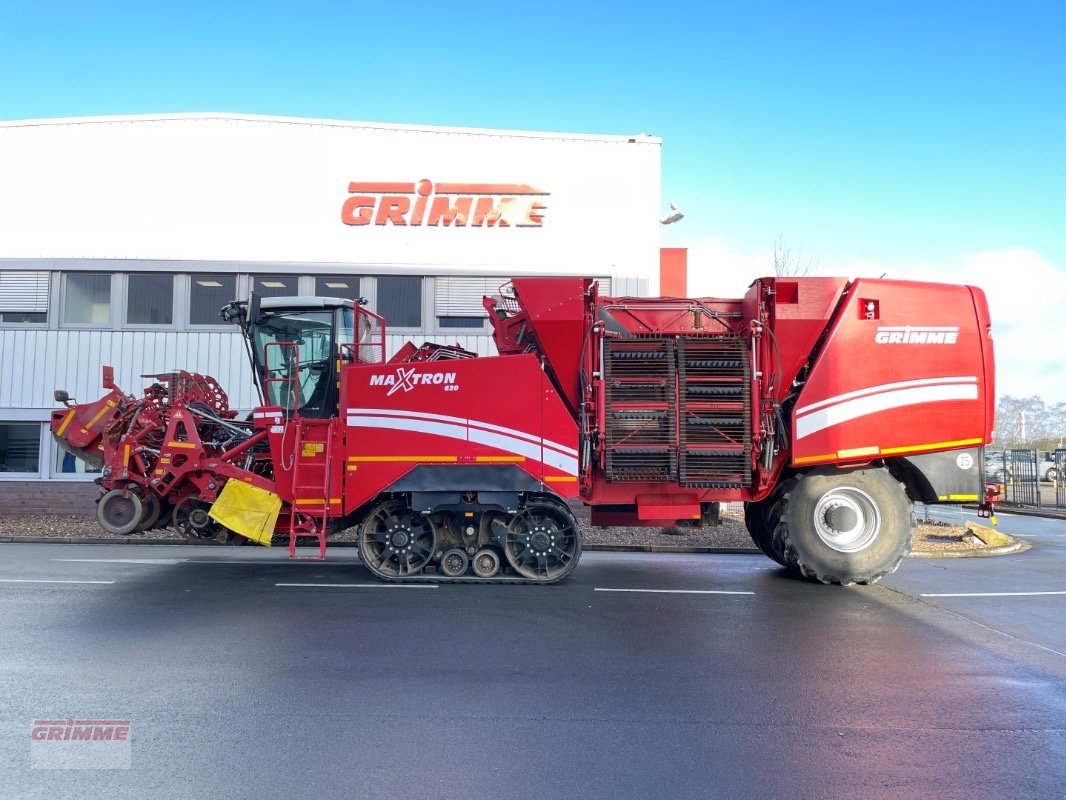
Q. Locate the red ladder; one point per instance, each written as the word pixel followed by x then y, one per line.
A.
pixel 310 510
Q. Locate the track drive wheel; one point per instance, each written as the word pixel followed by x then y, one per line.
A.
pixel 119 512
pixel 543 541
pixel 845 527
pixel 395 542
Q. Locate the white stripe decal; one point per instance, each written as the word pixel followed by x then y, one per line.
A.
pixel 510 444
pixel 882 401
pixel 884 387
pixel 394 423
pixel 473 423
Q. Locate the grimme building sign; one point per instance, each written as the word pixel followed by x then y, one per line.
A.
pixel 121 237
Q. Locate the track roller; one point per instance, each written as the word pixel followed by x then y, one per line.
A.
pixel 486 563
pixel 454 563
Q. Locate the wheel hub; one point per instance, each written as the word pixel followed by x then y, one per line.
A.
pixel 400 539
pixel 841 518
pixel 847 519
pixel 198 519
pixel 119 511
pixel 540 541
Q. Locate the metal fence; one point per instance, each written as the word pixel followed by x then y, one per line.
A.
pixel 1058 477
pixel 1029 479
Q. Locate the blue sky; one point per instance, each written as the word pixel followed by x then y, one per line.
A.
pixel 921 139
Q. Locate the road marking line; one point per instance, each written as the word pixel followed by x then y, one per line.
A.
pixel 993 594
pixel 122 560
pixel 673 591
pixel 365 585
pixel 37 580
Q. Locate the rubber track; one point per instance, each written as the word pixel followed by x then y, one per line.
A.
pixel 469 579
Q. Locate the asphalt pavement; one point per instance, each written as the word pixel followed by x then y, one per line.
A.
pixel 643 675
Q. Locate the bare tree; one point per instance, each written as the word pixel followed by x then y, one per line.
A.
pixel 789 264
pixel 1027 422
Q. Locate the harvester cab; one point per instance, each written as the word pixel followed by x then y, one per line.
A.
pixel 296 346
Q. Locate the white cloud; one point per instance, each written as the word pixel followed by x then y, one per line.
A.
pixel 1026 297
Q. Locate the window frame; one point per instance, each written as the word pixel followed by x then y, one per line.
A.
pixel 115 294
pixel 240 282
pixel 48 311
pixel 43 438
pixel 142 326
pixel 375 304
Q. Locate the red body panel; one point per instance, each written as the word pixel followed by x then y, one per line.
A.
pixel 906 368
pixel 500 410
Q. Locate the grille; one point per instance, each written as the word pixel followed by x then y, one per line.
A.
pixel 641 410
pixel 678 409
pixel 715 412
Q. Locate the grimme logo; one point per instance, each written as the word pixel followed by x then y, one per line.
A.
pixel 474 205
pixel 406 379
pixel 80 744
pixel 916 334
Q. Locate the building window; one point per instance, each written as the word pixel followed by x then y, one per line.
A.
pixel 86 298
pixel 20 447
pixel 343 286
pixel 207 295
pixel 400 301
pixel 276 285
pixel 69 464
pixel 461 322
pixel 458 300
pixel 23 297
pixel 150 299
pixel 24 317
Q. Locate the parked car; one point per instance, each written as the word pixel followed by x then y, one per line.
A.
pixel 1047 469
pixel 997 468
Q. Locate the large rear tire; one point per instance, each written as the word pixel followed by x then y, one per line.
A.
pixel 761 520
pixel 845 527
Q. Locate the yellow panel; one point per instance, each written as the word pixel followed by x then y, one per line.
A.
pixel 934 446
pixel 855 452
pixel 813 459
pixel 66 421
pixel 248 510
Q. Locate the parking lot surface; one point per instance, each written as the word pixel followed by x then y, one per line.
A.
pixel 245 675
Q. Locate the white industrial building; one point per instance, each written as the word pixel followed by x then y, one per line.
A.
pixel 121 237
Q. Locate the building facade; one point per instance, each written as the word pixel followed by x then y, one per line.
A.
pixel 121 237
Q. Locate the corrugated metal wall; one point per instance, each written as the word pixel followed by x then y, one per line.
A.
pixel 34 362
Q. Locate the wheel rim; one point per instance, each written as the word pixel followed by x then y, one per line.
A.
pixel 454 563
pixel 395 542
pixel 542 543
pixel 486 563
pixel 192 521
pixel 847 519
pixel 118 512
